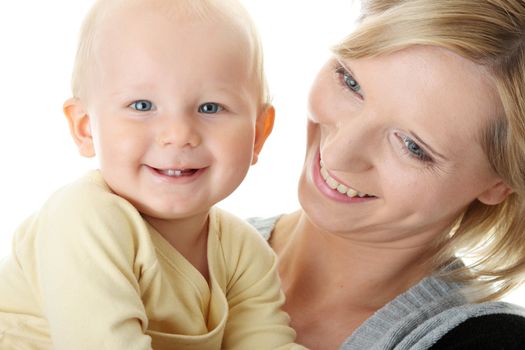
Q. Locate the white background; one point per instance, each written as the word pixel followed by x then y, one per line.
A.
pixel 38 40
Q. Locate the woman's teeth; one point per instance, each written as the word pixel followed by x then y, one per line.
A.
pixel 343 189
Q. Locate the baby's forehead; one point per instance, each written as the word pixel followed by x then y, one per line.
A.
pixel 166 17
pixel 140 27
pixel 110 13
pixel 145 26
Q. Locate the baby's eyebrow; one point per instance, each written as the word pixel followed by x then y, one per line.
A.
pixel 238 91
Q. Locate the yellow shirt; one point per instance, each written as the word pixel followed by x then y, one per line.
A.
pixel 88 272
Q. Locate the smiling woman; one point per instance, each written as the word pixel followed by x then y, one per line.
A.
pixel 413 187
pixel 397 108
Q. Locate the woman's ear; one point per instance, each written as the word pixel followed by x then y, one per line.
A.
pixel 495 194
pixel 79 126
pixel 263 129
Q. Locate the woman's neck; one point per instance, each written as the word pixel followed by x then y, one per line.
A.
pixel 333 284
pixel 316 264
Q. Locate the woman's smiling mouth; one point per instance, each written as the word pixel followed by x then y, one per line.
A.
pixel 339 187
pixel 333 188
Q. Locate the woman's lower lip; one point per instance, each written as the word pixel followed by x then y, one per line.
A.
pixel 323 187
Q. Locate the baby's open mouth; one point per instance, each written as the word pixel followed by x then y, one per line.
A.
pixel 177 172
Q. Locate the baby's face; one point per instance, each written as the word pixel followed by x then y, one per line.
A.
pixel 173 108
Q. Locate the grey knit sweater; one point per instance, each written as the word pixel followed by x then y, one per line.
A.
pixel 416 319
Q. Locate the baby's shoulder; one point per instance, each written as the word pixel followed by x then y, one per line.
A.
pixel 88 194
pixel 232 228
pixel 246 256
pixel 237 237
pixel 86 211
pixel 87 207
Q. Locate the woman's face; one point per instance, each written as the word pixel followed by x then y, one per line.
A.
pixel 394 145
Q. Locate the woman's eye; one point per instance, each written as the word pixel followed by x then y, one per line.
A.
pixel 349 81
pixel 414 150
pixel 210 108
pixel 142 105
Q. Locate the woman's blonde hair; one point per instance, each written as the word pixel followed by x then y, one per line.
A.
pixel 228 10
pixel 490 33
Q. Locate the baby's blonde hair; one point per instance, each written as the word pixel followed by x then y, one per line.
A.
pixel 229 10
pixel 490 33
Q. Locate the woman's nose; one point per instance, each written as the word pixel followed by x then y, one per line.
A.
pixel 179 131
pixel 348 146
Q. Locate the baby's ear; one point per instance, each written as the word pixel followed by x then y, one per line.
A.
pixel 263 129
pixel 79 126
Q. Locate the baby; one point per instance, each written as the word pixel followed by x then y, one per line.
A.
pixel 170 96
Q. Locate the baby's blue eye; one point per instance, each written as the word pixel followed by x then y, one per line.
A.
pixel 210 108
pixel 142 105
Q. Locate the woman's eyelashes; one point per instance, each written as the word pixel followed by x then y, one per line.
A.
pixel 348 81
pixel 413 150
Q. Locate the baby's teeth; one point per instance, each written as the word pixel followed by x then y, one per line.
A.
pixel 361 194
pixel 174 172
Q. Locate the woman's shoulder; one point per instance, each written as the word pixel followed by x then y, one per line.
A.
pixel 434 313
pixel 276 228
pixel 490 331
pixel 264 225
